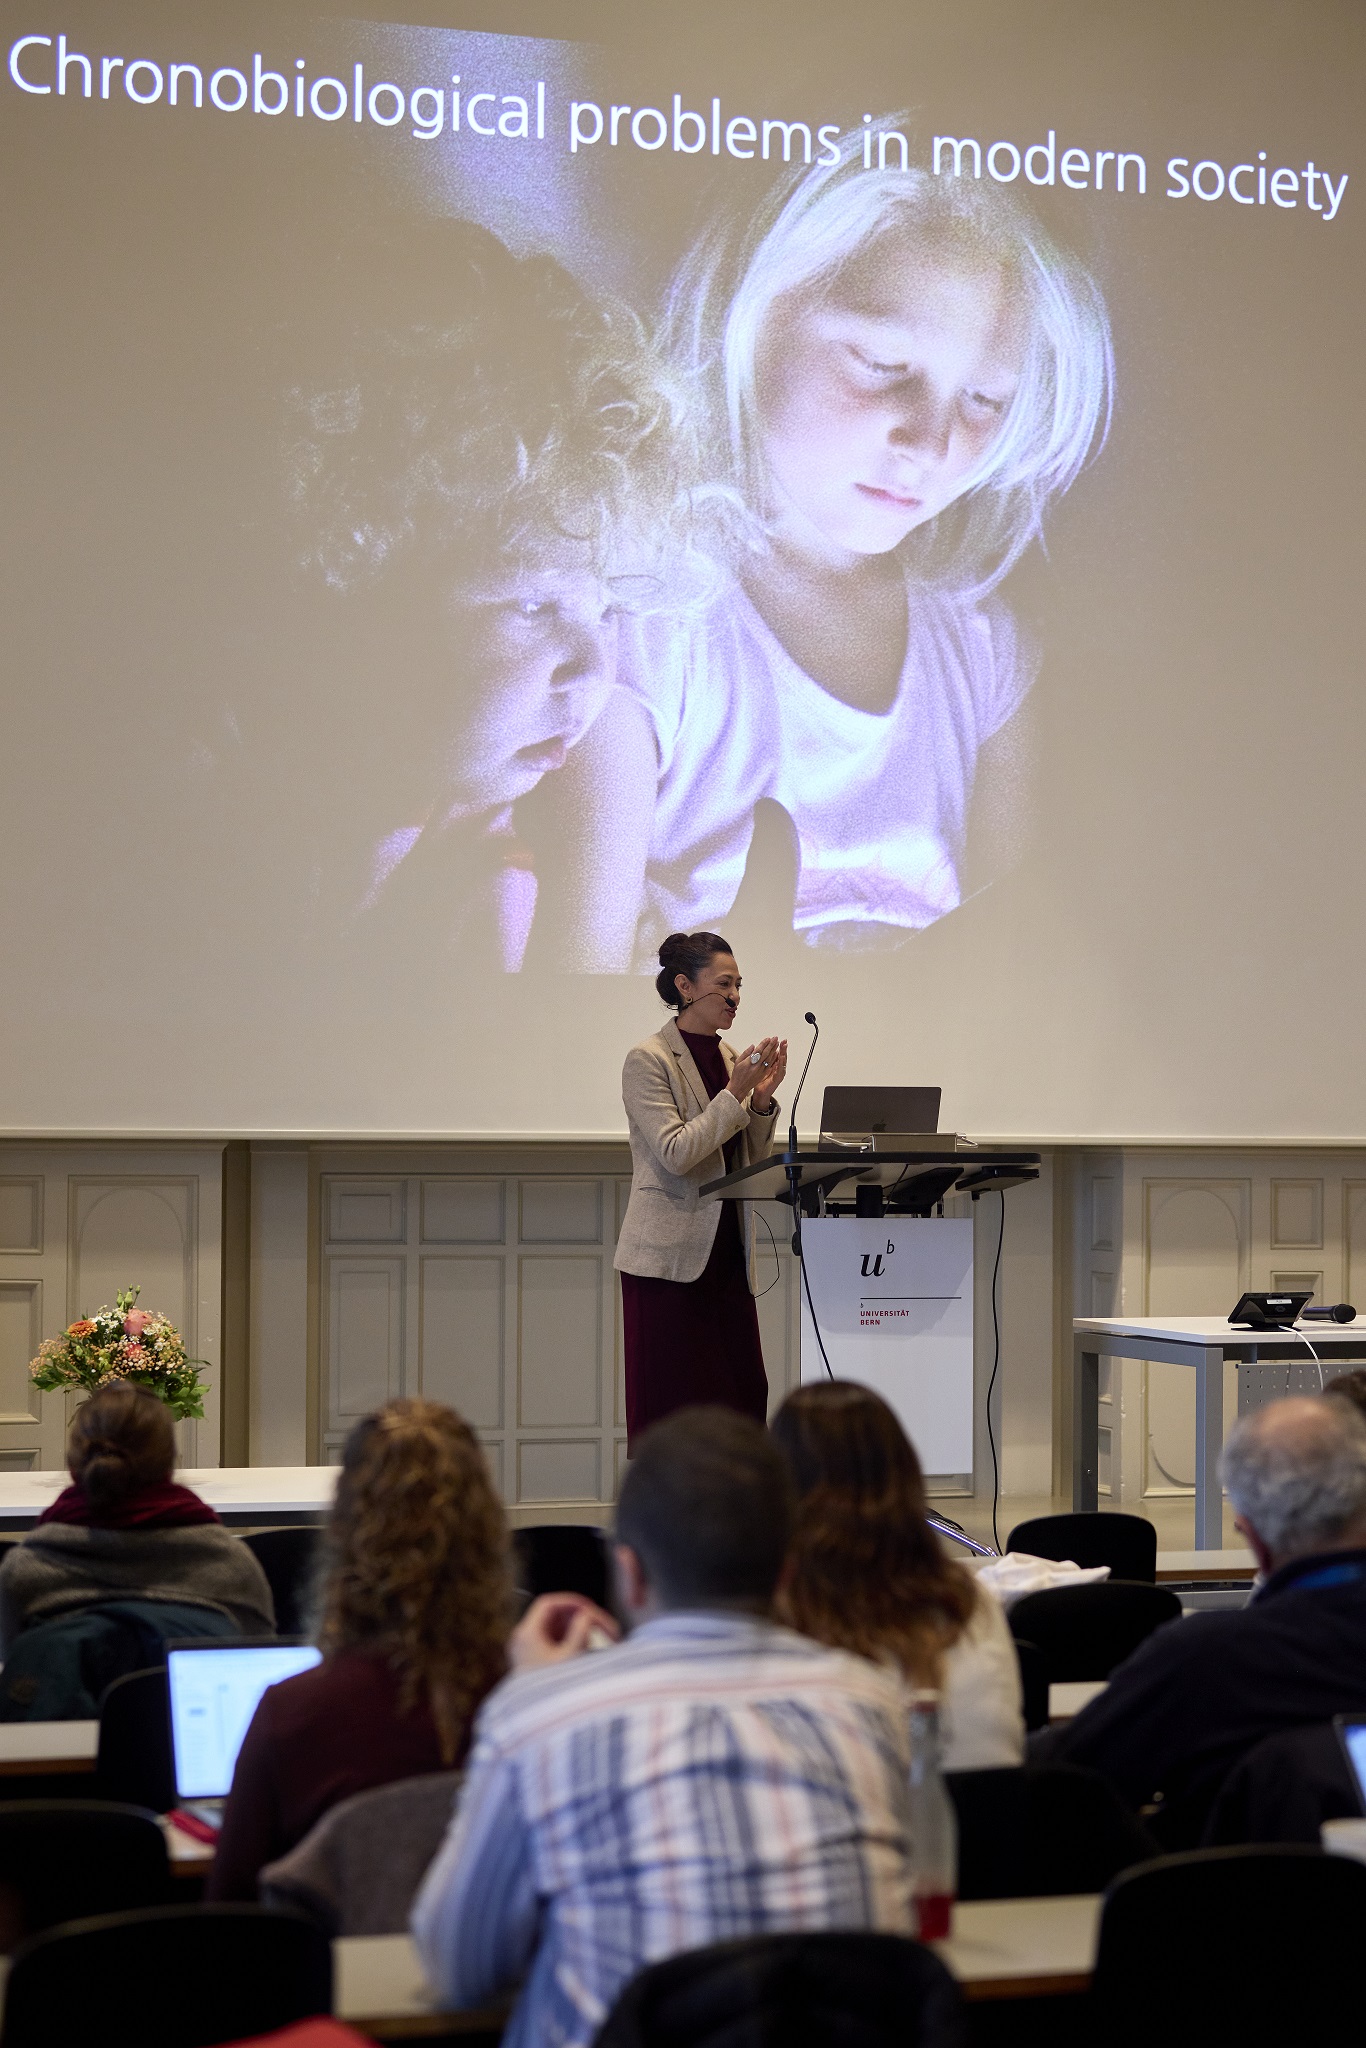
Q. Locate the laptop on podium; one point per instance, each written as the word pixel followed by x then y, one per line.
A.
pixel 850 1115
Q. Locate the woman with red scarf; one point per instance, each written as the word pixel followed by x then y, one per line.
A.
pixel 124 1531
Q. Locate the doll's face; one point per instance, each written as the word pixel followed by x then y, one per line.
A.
pixel 534 648
pixel 878 398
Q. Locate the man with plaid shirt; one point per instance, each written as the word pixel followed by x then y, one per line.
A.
pixel 714 1776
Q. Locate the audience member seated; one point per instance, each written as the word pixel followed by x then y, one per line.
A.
pixel 867 1572
pixel 122 1531
pixel 415 1604
pixel 715 1776
pixel 1182 1711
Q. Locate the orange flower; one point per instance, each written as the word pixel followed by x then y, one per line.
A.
pixel 81 1329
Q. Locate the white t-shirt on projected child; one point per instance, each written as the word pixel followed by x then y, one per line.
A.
pixel 879 800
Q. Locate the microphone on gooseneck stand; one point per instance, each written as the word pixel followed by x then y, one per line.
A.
pixel 794 1172
pixel 792 1120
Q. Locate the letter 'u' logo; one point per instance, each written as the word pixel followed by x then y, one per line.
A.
pixel 875 1270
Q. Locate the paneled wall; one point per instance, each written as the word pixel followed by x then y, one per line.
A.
pixel 1183 1233
pixel 496 1292
pixel 483 1274
pixel 77 1223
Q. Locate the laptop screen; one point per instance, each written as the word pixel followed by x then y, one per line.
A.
pixel 215 1688
pixel 880 1109
pixel 1352 1735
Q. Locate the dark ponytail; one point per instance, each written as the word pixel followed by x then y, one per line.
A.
pixel 685 953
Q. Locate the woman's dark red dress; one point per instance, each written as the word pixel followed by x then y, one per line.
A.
pixel 696 1341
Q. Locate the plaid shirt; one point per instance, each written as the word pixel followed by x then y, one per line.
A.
pixel 714 1776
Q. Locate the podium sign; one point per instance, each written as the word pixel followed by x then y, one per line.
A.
pixel 893 1297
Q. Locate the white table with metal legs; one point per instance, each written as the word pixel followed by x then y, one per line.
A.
pixel 1270 1364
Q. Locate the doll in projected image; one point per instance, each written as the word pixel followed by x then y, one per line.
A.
pixel 494 486
pixel 899 373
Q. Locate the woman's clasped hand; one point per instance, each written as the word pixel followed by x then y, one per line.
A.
pixel 758 1071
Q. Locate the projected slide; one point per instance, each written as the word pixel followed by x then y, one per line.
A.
pixel 479 503
pixel 753 559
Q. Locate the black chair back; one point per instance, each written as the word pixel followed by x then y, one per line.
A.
pixel 1038 1831
pixel 135 1760
pixel 1085 1631
pixel 1033 1683
pixel 1284 1789
pixel 554 1557
pixel 180 1977
pixel 63 1859
pixel 803 1990
pixel 1127 1543
pixel 1249 1945
pixel 287 1557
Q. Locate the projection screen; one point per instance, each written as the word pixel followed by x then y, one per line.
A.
pixel 881 483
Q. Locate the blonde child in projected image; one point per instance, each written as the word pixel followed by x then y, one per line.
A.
pixel 899 372
pixel 497 482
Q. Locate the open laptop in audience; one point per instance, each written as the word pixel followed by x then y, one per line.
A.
pixel 215 1686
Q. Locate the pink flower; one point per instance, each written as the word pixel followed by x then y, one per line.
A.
pixel 135 1359
pixel 135 1322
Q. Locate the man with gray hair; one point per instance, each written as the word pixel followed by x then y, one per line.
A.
pixel 1195 1697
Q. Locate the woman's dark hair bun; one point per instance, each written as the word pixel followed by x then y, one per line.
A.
pixel 121 1440
pixel 685 953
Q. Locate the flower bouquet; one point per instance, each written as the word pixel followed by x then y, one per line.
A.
pixel 123 1343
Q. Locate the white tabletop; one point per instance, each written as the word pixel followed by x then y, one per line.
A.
pixel 1067 1697
pixel 1216 1330
pixel 1022 1947
pixel 998 1947
pixel 36 1746
pixel 1206 1564
pixel 231 1489
pixel 378 1986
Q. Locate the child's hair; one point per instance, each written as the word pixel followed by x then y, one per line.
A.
pixel 821 220
pixel 488 409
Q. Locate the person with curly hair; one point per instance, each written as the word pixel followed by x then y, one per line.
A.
pixel 414 1604
pixel 497 477
pixel 866 1571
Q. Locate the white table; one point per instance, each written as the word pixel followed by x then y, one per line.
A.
pixel 999 1948
pixel 1023 1948
pixel 1067 1697
pixel 1205 1343
pixel 36 1748
pixel 240 1493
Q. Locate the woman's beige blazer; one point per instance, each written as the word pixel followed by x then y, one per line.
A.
pixel 677 1141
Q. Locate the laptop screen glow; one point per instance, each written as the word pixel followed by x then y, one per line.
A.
pixel 1354 1741
pixel 214 1693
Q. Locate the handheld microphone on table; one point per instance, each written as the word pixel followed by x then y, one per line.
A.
pixel 1337 1312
